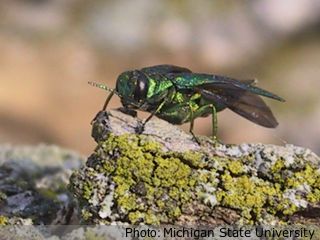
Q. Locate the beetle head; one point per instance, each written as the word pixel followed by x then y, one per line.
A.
pixel 132 88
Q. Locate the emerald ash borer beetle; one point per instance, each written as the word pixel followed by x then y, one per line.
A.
pixel 178 95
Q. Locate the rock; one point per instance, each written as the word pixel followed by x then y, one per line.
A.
pixel 162 176
pixel 33 185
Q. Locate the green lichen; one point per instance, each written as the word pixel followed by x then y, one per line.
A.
pixel 3 220
pixel 236 167
pixel 278 166
pixel 153 186
pixel 136 216
pixel 148 217
pixel 314 196
pixel 85 214
pixel 87 190
pixel 286 207
pixel 308 175
pixel 3 196
pixel 194 159
pixel 248 194
pixel 144 175
pixel 171 172
pixel 255 196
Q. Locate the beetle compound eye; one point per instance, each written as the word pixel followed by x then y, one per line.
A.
pixel 141 89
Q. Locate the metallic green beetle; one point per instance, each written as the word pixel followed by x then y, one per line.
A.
pixel 178 95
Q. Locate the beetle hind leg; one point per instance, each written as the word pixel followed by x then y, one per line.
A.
pixel 192 124
pixel 214 125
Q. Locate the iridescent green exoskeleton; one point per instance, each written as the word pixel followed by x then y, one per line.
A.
pixel 178 95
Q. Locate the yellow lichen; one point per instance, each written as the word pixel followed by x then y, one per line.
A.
pixel 3 220
pixel 245 193
pixel 85 214
pixel 87 190
pixel 173 180
pixel 235 167
pixel 128 202
pixel 278 166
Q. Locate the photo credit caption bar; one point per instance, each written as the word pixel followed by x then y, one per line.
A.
pixel 221 232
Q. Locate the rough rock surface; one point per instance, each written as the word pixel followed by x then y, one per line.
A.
pixel 163 176
pixel 33 185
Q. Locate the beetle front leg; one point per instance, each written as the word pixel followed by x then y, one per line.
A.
pixel 104 106
pixel 108 100
pixel 140 128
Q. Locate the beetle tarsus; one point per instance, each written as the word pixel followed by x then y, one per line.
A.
pixel 139 129
pixel 194 137
pixel 216 141
pixel 99 115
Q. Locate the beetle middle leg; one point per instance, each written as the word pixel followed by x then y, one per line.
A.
pixel 205 111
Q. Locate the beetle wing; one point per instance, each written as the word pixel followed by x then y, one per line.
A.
pixel 165 69
pixel 249 81
pixel 253 108
pixel 192 80
pixel 242 102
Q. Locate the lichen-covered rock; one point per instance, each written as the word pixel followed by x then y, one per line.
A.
pixel 33 185
pixel 163 177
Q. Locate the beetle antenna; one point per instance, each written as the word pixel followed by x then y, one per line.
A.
pixel 102 86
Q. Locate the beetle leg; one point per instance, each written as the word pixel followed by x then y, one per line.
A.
pixel 155 112
pixel 214 122
pixel 140 128
pixel 192 124
pixel 104 106
pixel 108 100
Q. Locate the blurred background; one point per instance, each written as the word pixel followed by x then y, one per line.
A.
pixel 50 49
